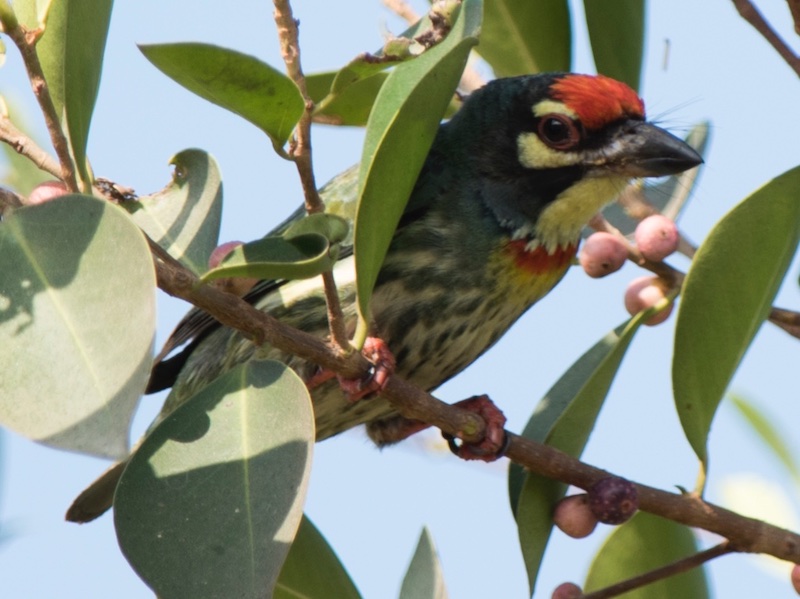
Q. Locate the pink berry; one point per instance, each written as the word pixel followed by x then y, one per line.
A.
pixel 574 517
pixel 44 192
pixel 567 590
pixel 602 254
pixel 613 500
pixel 646 292
pixel 796 578
pixel 221 251
pixel 657 237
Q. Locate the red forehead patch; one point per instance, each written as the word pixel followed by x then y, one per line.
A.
pixel 597 100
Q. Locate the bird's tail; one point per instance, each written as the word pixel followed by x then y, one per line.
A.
pixel 97 498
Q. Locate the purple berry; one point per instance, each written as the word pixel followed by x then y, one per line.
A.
pixel 613 500
pixel 567 590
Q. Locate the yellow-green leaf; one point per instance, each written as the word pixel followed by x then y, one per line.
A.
pixel 727 295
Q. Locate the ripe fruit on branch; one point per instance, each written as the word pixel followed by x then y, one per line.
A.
pixel 613 500
pixel 574 517
pixel 656 237
pixel 645 292
pixel 602 254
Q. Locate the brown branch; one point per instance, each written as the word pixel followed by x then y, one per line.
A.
pixel 746 534
pixel 751 14
pixel 794 8
pixel 677 567
pixel 300 153
pixel 25 146
pixel 25 40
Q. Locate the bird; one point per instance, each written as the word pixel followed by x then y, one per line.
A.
pixel 493 223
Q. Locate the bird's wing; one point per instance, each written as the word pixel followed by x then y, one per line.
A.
pixel 340 195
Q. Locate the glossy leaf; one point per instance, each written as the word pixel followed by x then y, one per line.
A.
pixel 766 428
pixel 400 131
pixel 300 257
pixel 237 82
pixel 564 419
pixel 71 53
pixel 77 320
pixel 521 37
pixel 184 217
pixel 351 106
pixel 424 579
pixel 642 544
pixel 312 570
pixel 616 32
pixel 210 502
pixel 727 295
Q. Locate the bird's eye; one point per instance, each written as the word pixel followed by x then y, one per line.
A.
pixel 558 131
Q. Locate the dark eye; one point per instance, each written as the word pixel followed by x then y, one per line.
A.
pixel 558 131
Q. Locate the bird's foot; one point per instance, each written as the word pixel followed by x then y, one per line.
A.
pixel 383 365
pixel 494 444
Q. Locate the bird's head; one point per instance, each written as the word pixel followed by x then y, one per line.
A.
pixel 553 149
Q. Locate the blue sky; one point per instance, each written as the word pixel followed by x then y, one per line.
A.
pixel 372 504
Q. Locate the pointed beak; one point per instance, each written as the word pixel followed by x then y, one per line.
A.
pixel 640 149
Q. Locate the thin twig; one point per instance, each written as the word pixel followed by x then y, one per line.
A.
pixel 751 14
pixel 300 153
pixel 678 567
pixel 28 148
pixel 794 8
pixel 25 40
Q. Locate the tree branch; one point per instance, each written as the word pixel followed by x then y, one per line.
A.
pixel 751 14
pixel 300 153
pixel 25 146
pixel 25 40
pixel 677 567
pixel 746 534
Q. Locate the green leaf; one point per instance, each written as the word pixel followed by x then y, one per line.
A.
pixel 727 295
pixel 300 257
pixel 642 544
pixel 616 32
pixel 564 419
pixel 400 131
pixel 767 429
pixel 237 82
pixel 184 217
pixel 210 502
pixel 520 37
pixel 71 53
pixel 350 106
pixel 423 579
pixel 312 570
pixel 77 319
pixel 330 226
